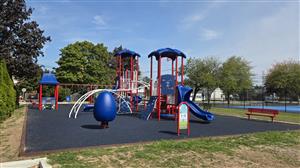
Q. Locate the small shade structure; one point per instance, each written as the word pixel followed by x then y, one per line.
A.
pixel 172 54
pixel 50 80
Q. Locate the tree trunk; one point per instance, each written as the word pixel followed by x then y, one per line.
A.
pixel 208 97
pixel 195 92
pixel 228 99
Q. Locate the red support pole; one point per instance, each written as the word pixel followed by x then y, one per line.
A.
pixel 90 98
pixel 176 69
pixel 158 88
pixel 131 78
pixel 56 97
pixel 151 77
pixel 136 81
pixel 120 73
pixel 40 97
pixel 117 69
pixel 172 67
pixel 182 71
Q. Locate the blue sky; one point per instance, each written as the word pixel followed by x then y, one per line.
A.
pixel 263 32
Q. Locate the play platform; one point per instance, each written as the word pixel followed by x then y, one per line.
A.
pixel 54 130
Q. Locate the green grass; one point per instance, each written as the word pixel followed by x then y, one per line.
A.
pixel 283 116
pixel 171 153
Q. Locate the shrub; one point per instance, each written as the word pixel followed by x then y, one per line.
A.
pixel 7 93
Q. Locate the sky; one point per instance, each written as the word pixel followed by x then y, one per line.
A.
pixel 262 32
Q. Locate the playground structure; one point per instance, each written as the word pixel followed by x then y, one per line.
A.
pixel 166 84
pixel 48 79
pixel 126 88
pixel 167 92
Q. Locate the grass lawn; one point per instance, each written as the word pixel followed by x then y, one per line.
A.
pixel 268 149
pixel 283 116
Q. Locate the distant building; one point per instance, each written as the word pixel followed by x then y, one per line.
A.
pixel 217 94
pixel 15 80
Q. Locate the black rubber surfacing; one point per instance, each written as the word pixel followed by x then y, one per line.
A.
pixel 53 130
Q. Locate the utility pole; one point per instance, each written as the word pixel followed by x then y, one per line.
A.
pixel 262 89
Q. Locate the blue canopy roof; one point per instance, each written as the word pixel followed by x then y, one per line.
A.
pixel 127 53
pixel 167 52
pixel 49 79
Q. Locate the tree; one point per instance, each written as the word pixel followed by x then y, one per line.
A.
pixel 284 79
pixel 125 61
pixel 7 93
pixel 193 78
pixel 21 39
pixel 85 62
pixel 113 61
pixel 235 76
pixel 203 73
pixel 146 79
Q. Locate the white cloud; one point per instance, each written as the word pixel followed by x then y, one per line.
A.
pixel 196 17
pixel 100 21
pixel 208 34
pixel 192 19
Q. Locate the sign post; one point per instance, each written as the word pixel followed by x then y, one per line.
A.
pixel 183 119
pixel 24 90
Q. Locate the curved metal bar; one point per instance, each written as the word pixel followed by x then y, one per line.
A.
pixel 82 99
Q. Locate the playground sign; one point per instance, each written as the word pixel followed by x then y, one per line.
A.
pixel 183 118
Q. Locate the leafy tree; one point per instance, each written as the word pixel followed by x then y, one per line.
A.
pixel 235 76
pixel 203 73
pixel 126 61
pixel 146 79
pixel 85 62
pixel 193 78
pixel 21 39
pixel 284 79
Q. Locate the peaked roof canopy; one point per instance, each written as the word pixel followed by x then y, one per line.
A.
pixel 127 53
pixel 167 52
pixel 49 79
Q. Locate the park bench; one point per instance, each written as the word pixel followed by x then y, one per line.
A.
pixel 262 112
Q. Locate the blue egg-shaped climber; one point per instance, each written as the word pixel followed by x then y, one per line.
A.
pixel 105 109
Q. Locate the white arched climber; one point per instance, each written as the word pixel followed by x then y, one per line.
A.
pixel 82 99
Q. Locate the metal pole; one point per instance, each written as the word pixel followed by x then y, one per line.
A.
pixel 151 76
pixel 182 71
pixel 136 81
pixel 131 78
pixel 172 68
pixel 40 97
pixel 158 87
pixel 176 69
pixel 56 97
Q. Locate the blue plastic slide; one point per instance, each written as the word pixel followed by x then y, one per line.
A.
pixel 198 112
pixel 184 94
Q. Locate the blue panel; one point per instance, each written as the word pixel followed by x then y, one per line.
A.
pixel 167 84
pixel 49 79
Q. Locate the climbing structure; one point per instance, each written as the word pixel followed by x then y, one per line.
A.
pixel 127 74
pixel 165 85
pixel 50 80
